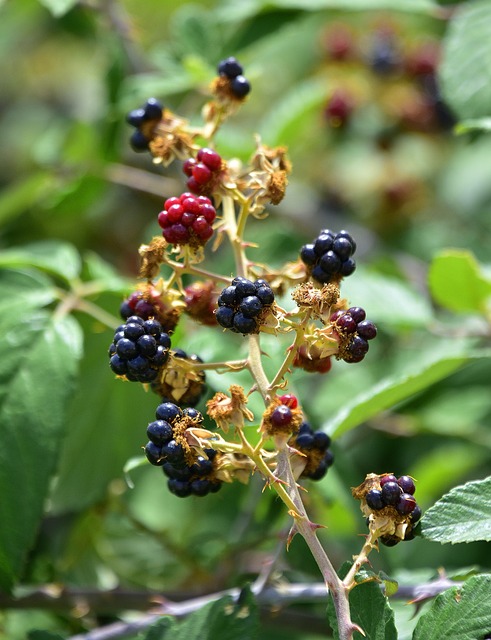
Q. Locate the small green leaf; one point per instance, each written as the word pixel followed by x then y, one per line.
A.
pixel 462 515
pixel 369 609
pixel 222 620
pixel 33 397
pixel 465 70
pixel 58 7
pixel 459 613
pixel 457 282
pixel 394 389
pixel 52 256
pixel 161 630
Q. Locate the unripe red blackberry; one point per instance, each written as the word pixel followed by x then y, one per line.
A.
pixel 187 220
pixel 203 172
pixel 201 299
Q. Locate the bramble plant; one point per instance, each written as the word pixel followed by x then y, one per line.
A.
pixel 278 429
pixel 223 196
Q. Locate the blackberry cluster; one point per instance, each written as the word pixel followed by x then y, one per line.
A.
pixel 328 257
pixel 353 325
pixel 399 494
pixel 144 120
pixel 203 171
pixel 315 446
pixel 187 219
pixel 164 450
pixel 139 350
pixel 233 71
pixel 176 385
pixel 241 306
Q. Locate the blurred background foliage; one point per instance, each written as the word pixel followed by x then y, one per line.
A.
pixel 365 99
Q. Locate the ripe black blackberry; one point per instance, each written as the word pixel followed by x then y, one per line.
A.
pixel 243 305
pixel 315 446
pixel 354 332
pixel 144 120
pixel 232 70
pixel 329 257
pixel 139 350
pixel 181 384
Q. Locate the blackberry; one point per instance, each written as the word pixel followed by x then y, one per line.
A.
pixel 149 305
pixel 159 432
pixel 315 447
pixel 374 500
pixel 281 416
pixel 230 68
pixel 407 484
pixel 354 332
pixel 203 172
pixel 243 305
pixel 240 86
pixel 406 504
pixel 391 493
pixel 187 220
pixel 168 411
pixel 139 349
pixel 144 120
pixel 154 453
pixel 328 257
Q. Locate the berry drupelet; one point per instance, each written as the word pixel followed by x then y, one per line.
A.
pixel 144 120
pixel 139 350
pixel 187 220
pixel 203 171
pixel 232 70
pixel 329 257
pixel 315 447
pixel 354 332
pixel 243 305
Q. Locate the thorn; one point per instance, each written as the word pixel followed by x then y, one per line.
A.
pixel 314 526
pixel 291 534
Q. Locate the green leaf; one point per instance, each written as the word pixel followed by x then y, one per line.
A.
pixel 23 194
pixel 33 398
pixel 457 282
pixel 37 634
pixel 22 291
pixel 58 7
pixel 160 630
pixel 459 613
pixel 369 609
pixel 462 515
pixel 55 257
pixel 249 8
pixel 465 71
pixel 394 389
pixel 222 620
pixel 476 124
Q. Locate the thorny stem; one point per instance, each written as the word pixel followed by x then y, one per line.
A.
pixel 370 544
pixel 291 352
pixel 197 271
pixel 232 232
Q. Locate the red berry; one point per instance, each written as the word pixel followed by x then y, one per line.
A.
pixel 201 173
pixel 163 219
pixel 188 218
pixel 185 196
pixel 192 205
pixel 174 213
pixel 208 211
pixel 193 185
pixel 176 234
pixel 289 400
pixel 210 158
pixel 171 201
pixel 204 200
pixel 187 167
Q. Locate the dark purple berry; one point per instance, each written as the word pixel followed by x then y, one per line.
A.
pixel 200 487
pixel 244 287
pixel 251 306
pixel 136 117
pixel 407 484
pixel 388 478
pixel 305 440
pixel 228 296
pixel 346 323
pixel 391 492
pixel 389 541
pixel 192 413
pixel 242 324
pixel 154 453
pixel 320 472
pixel 321 440
pixel 374 500
pixel 281 416
pixel 320 275
pixel 348 267
pixel 308 255
pixel 406 504
pixel 138 141
pixel 230 68
pixel 168 411
pixel 153 109
pixel 265 295
pixel 173 451
pixel 147 345
pixel 416 514
pixel 159 432
pixel 323 243
pixel 126 349
pixel 366 330
pixel 152 327
pixel 240 86
pixel 118 365
pixel 138 365
pixel 225 317
pixel 180 488
pixel 330 262
pixel 342 247
pixel 357 313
